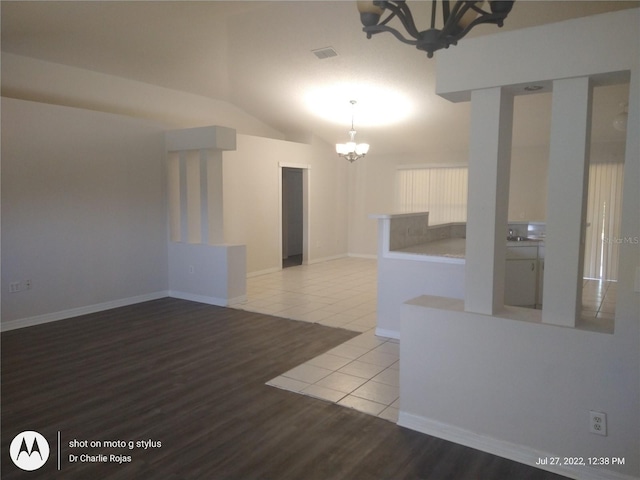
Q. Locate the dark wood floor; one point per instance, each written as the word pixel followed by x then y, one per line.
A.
pixel 191 376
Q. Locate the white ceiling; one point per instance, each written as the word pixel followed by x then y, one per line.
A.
pixel 258 56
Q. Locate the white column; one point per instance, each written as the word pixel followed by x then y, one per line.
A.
pixel 568 180
pixel 204 198
pixel 173 195
pixel 192 158
pixel 184 208
pixel 488 200
pixel 215 206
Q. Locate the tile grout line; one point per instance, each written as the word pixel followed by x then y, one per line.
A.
pixel 342 396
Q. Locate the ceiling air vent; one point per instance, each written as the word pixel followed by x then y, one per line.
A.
pixel 326 52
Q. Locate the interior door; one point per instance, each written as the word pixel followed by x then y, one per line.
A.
pixel 292 216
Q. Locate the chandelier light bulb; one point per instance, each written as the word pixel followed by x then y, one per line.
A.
pixel 351 150
pixel 362 149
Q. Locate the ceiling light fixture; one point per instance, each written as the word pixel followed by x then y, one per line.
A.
pixel 457 21
pixel 620 120
pixel 350 150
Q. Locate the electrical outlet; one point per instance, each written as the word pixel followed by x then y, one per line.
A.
pixel 27 284
pixel 191 269
pixel 15 287
pixel 598 423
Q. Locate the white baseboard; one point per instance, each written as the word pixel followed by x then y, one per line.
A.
pixel 220 302
pixel 344 255
pixel 363 255
pixel 312 262
pixel 326 259
pixel 383 332
pixel 123 302
pixel 263 272
pixel 517 453
pixel 76 312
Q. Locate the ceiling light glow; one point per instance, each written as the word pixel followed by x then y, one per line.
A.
pixel 376 106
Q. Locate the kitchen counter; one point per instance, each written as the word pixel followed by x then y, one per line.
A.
pixel 447 247
pixel 454 247
pixel 526 243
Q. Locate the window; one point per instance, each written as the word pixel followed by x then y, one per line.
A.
pixel 441 191
pixel 603 221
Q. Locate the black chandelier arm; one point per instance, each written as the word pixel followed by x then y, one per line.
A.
pixel 446 11
pixel 401 10
pixel 452 30
pixel 385 5
pixel 407 20
pixel 386 20
pixel 496 18
pixel 383 28
pixel 451 25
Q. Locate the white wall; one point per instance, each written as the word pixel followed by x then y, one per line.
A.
pixel 519 390
pixel 328 202
pixel 213 274
pixel 252 196
pixel 47 82
pixel 85 146
pixel 83 209
pixel 509 384
pixel 371 190
pixel 528 184
pixel 400 280
pixel 252 199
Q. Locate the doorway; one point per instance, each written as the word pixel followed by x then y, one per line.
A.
pixel 293 217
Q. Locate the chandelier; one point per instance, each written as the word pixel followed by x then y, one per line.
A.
pixel 457 21
pixel 350 150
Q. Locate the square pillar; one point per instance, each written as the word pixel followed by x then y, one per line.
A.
pixel 488 199
pixel 568 181
pixel 193 204
pixel 204 197
pixel 183 198
pixel 213 202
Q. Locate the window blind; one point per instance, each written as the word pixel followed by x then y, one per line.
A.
pixel 441 191
pixel 604 202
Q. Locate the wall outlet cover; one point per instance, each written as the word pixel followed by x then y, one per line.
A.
pixel 598 423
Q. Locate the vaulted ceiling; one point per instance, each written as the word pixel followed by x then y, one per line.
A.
pixel 258 56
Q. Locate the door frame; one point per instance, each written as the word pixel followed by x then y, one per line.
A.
pixel 306 202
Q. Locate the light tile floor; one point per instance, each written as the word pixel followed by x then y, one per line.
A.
pixel 599 298
pixel 363 372
pixel 599 304
pixel 337 293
